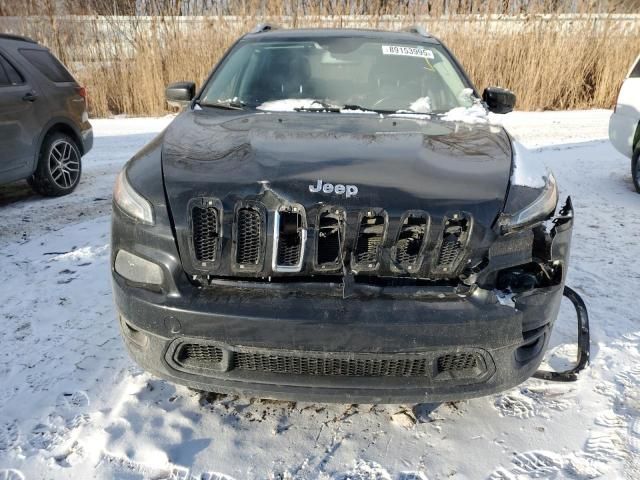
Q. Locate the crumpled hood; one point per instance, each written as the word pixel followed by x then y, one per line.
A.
pixel 397 163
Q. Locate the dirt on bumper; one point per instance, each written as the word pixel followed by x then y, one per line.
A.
pixel 307 350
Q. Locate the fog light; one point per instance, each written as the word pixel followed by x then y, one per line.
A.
pixel 133 334
pixel 137 269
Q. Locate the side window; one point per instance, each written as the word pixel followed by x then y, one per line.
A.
pixel 635 73
pixel 48 65
pixel 8 74
pixel 4 80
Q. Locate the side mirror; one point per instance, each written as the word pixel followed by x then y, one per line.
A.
pixel 499 100
pixel 179 94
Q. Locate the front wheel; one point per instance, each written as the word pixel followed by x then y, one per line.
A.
pixel 59 166
pixel 635 170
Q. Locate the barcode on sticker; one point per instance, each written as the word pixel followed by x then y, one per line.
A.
pixel 407 51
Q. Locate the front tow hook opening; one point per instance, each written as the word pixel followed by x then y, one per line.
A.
pixel 584 351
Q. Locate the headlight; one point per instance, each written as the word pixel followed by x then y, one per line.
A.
pixel 534 176
pixel 130 201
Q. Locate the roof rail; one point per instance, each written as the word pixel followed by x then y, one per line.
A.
pixel 10 36
pixel 263 27
pixel 418 30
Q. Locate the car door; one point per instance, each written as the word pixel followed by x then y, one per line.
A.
pixel 18 121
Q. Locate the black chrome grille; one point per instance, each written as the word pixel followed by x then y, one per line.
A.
pixel 306 365
pixel 206 232
pixel 249 236
pixel 369 240
pixel 457 362
pixel 410 240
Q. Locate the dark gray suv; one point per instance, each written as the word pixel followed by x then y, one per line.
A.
pixel 44 126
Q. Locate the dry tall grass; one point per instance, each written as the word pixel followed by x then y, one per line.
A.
pixel 549 68
pixel 551 62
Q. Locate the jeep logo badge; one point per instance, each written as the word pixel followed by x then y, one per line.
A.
pixel 338 189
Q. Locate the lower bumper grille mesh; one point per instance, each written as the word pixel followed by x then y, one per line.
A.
pixel 195 353
pixel 457 362
pixel 298 365
pixel 209 358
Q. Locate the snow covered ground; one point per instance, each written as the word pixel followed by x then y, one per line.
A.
pixel 72 404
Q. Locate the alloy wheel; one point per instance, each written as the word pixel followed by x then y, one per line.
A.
pixel 64 164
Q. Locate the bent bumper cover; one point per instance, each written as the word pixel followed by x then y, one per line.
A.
pixel 508 342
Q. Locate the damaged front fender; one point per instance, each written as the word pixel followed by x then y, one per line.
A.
pixel 551 253
pixel 560 234
pixel 529 259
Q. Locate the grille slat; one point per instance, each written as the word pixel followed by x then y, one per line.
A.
pixel 370 237
pixel 288 252
pixel 449 252
pixel 452 247
pixel 290 238
pixel 330 238
pixel 410 239
pixel 206 232
pixel 249 237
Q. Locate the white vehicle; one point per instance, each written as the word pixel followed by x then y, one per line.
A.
pixel 624 125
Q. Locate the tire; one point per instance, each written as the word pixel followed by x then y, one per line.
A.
pixel 59 166
pixel 635 170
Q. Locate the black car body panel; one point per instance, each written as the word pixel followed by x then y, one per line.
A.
pixel 446 320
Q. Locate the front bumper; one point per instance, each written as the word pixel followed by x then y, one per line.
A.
pixel 509 341
pixel 309 344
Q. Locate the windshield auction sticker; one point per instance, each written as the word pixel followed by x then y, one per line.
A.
pixel 407 51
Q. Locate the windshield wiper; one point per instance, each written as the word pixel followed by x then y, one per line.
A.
pixel 327 107
pixel 324 107
pixel 364 109
pixel 226 105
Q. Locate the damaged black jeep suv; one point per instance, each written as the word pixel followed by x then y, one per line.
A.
pixel 336 216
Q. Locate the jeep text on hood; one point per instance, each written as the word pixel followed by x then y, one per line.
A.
pixel 322 223
pixel 339 189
